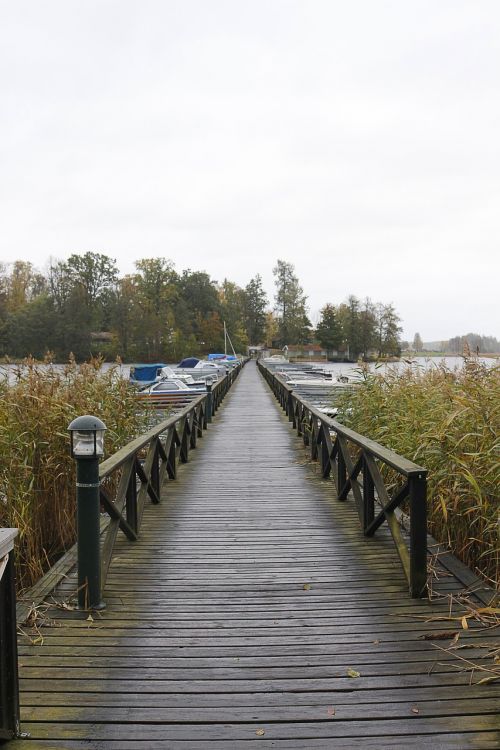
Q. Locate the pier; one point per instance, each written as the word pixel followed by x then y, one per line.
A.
pixel 252 610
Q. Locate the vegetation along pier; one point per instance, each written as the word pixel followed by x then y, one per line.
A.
pixel 248 603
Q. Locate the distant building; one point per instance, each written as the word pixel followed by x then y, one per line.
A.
pixel 306 351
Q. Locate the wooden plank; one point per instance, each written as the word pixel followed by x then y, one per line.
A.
pixel 243 605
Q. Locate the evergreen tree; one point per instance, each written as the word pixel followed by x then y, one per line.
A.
pixel 329 330
pixel 255 310
pixel 367 326
pixel 290 306
pixel 349 316
pixel 417 343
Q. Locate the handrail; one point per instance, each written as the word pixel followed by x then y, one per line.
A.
pixel 127 481
pixel 352 460
pixel 144 464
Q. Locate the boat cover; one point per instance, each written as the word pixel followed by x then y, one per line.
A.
pixel 189 362
pixel 146 373
pixel 221 356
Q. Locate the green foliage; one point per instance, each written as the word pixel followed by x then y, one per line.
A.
pixel 449 422
pixel 81 306
pixel 37 482
pixel 255 310
pixel 290 305
pixel 328 330
pixel 366 329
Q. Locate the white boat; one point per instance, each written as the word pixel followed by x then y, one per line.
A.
pixel 170 391
pixel 275 359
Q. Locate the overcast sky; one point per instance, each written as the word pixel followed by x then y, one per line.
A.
pixel 359 140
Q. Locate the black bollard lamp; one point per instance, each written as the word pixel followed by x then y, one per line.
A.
pixel 87 437
pixel 87 445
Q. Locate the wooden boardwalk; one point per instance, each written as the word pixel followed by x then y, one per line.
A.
pixel 244 615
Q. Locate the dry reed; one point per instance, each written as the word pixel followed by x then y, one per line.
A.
pixel 448 421
pixel 37 480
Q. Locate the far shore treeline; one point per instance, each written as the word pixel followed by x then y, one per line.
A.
pixel 82 306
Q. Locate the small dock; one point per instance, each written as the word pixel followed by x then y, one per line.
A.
pixel 253 612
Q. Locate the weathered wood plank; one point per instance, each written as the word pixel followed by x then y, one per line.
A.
pixel 249 596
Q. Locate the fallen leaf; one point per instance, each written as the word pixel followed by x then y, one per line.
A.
pixel 90 618
pixel 331 711
pixel 353 673
pixel 306 586
pixel 465 624
pixel 444 635
pixel 415 710
pixel 376 642
pixel 260 732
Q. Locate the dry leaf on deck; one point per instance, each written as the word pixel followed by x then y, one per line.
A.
pixel 444 635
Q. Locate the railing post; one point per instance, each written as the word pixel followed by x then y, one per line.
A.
pixel 289 408
pixel 155 470
pixel 9 687
pixel 368 496
pixel 208 411
pixel 131 500
pixel 341 470
pixel 418 534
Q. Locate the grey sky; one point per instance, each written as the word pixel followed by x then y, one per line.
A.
pixel 358 140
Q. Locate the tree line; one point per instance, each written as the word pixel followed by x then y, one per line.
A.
pixel 473 343
pixel 82 305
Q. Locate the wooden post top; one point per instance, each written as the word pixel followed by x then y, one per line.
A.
pixel 7 537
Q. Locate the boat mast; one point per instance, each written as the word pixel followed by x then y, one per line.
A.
pixel 226 339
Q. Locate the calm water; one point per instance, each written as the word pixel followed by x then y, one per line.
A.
pixel 339 368
pixel 427 363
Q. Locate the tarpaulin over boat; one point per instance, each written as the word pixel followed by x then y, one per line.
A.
pixel 221 356
pixel 189 362
pixel 146 373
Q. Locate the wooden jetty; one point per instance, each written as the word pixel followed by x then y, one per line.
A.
pixel 252 611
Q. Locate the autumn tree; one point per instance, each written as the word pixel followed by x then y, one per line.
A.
pixel 156 287
pixel 232 301
pixel 418 344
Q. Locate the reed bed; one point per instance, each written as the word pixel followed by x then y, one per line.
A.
pixel 447 421
pixel 37 473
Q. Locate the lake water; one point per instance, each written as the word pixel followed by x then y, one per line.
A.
pixel 339 368
pixel 427 363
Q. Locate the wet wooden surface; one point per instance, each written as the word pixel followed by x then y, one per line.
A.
pixel 244 615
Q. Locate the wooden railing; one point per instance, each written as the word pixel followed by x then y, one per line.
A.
pixel 138 471
pixel 132 476
pixel 356 464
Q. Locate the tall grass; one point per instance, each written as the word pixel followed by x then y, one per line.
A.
pixel 37 482
pixel 448 421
